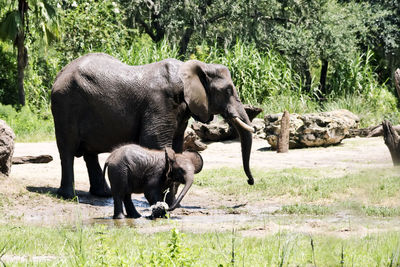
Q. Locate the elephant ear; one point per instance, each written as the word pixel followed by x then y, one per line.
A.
pixel 194 82
pixel 195 158
pixel 170 159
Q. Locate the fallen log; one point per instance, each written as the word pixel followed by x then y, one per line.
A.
pixel 378 130
pixel 392 141
pixel 32 159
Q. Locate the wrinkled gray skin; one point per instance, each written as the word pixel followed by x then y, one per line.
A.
pixel 134 169
pixel 99 103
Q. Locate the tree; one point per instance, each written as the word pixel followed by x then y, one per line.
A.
pixel 177 21
pixel 14 26
pixel 91 26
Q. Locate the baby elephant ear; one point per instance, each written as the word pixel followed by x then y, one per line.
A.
pixel 170 159
pixel 194 82
pixel 196 160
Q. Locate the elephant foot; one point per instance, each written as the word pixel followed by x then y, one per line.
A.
pixel 66 192
pixel 101 192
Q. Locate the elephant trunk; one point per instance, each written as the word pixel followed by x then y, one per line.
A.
pixel 242 125
pixel 188 184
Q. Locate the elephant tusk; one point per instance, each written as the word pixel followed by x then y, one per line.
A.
pixel 243 125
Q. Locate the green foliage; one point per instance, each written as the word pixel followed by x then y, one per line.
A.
pixel 28 19
pixel 40 74
pixel 91 26
pixel 274 50
pixel 8 75
pixel 305 209
pixel 258 76
pixel 27 125
pixel 357 88
pixel 142 51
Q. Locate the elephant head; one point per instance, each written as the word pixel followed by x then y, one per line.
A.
pixel 209 90
pixel 181 168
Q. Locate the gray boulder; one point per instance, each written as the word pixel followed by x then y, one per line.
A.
pixel 192 142
pixel 220 130
pixel 312 130
pixel 7 137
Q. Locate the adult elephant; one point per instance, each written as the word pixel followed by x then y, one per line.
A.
pixel 99 102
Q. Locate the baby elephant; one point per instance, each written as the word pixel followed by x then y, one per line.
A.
pixel 135 169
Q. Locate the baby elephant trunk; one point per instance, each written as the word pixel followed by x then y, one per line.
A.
pixel 188 184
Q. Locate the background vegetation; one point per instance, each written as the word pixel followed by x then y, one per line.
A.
pixel 302 56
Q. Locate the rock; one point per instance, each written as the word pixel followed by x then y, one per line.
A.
pixel 216 130
pixel 7 137
pixel 259 126
pixel 219 129
pixel 192 142
pixel 314 129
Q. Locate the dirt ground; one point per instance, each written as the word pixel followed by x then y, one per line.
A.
pixel 26 196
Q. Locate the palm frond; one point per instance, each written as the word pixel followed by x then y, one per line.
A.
pixel 10 25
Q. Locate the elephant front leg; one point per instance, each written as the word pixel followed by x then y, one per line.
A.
pixel 98 184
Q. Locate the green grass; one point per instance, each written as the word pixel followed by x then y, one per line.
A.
pixel 101 246
pixel 305 184
pixel 315 191
pixel 305 209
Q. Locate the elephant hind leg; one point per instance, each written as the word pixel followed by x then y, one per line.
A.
pixel 98 184
pixel 118 212
pixel 66 148
pixel 130 208
pixel 66 189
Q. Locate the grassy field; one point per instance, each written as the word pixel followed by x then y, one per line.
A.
pixel 101 246
pixel 367 197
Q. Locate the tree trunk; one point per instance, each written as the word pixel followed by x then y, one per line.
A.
pixel 322 79
pixel 397 81
pixel 21 69
pixel 308 79
pixel 283 137
pixel 183 44
pixel 392 141
pixel 22 52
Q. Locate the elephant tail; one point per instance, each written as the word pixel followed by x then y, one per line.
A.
pixel 104 169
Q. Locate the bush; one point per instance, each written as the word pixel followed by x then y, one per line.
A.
pixel 356 87
pixel 27 125
pixel 8 75
pixel 259 77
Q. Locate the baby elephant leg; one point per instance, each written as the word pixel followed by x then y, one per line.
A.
pixel 130 208
pixel 118 214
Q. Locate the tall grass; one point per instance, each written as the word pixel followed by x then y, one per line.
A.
pixel 265 79
pixel 259 77
pixel 101 246
pixel 355 86
pixel 143 51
